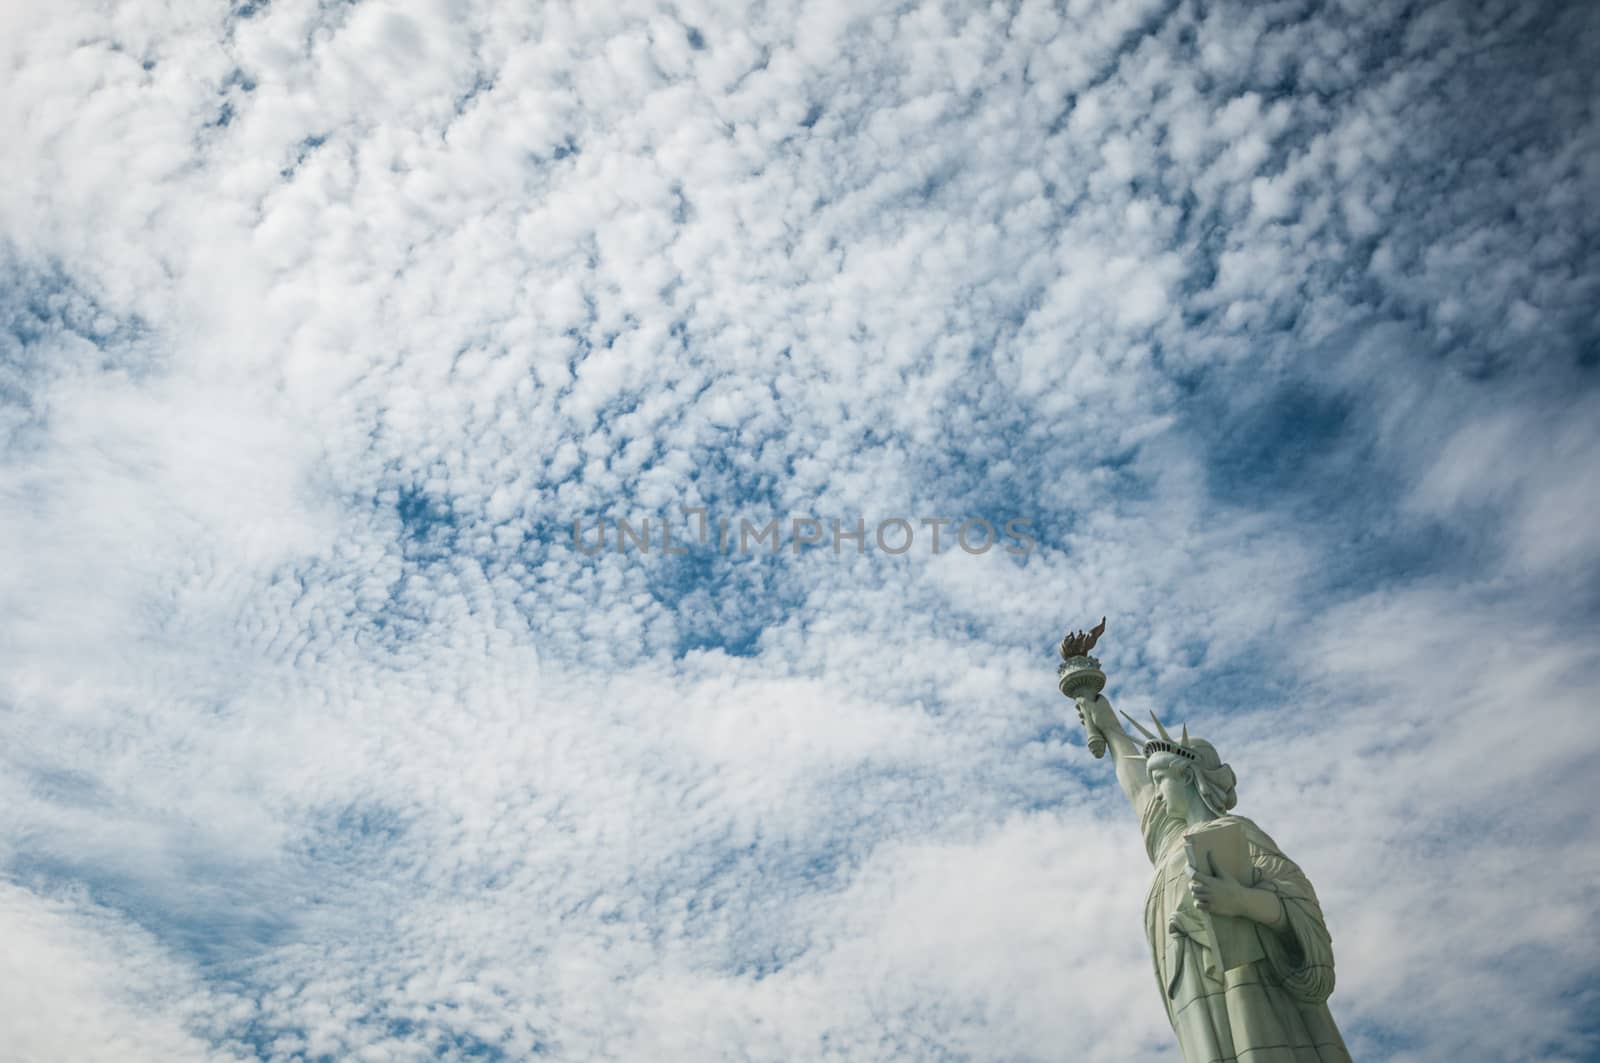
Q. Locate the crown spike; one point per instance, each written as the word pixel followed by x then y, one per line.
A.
pixel 1160 727
pixel 1185 738
pixel 1142 728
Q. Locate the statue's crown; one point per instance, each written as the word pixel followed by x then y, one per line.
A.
pixel 1158 746
pixel 1163 742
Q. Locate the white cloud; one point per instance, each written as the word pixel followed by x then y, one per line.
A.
pixel 320 325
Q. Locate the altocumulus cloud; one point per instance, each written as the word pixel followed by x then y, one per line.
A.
pixel 321 323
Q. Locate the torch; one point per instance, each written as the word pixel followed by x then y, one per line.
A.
pixel 1080 677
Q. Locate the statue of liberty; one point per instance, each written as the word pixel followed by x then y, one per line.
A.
pixel 1242 956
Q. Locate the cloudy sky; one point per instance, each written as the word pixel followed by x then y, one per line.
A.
pixel 321 323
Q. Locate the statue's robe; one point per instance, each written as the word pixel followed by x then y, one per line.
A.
pixel 1271 1009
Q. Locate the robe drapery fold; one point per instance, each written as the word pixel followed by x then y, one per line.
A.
pixel 1271 1009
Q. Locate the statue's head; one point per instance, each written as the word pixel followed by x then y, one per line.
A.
pixel 1189 774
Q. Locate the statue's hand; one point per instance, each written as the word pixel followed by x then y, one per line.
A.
pixel 1222 894
pixel 1096 714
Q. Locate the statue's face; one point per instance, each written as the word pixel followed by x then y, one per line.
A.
pixel 1173 779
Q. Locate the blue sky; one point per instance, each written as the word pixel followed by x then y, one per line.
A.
pixel 320 325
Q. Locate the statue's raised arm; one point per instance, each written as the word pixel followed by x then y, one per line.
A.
pixel 1100 721
pixel 1081 679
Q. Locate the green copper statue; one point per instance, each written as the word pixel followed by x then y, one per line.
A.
pixel 1242 956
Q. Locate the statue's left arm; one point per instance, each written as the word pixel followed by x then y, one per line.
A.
pixel 1225 895
pixel 1281 900
pixel 1300 949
